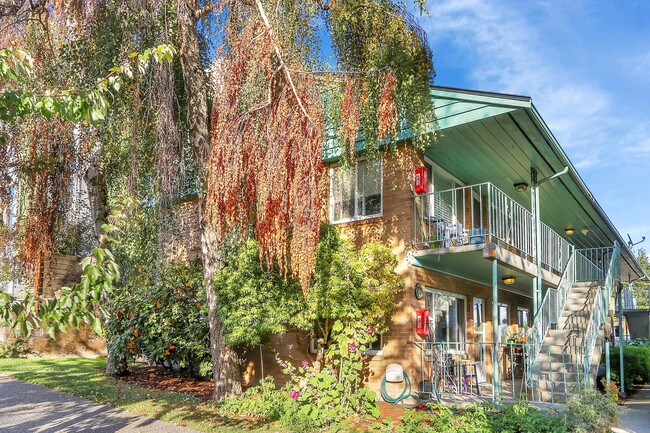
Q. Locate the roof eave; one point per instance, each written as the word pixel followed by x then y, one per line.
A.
pixel 550 138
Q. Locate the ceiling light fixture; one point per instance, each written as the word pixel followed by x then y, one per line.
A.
pixel 521 186
pixel 508 280
pixel 584 230
pixel 569 231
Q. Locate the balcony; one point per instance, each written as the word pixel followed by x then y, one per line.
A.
pixel 463 219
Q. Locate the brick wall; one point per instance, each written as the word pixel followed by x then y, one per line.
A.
pixel 395 230
pixel 60 271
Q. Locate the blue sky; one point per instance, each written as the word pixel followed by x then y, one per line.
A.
pixel 586 65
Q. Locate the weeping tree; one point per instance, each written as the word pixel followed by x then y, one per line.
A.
pixel 275 97
pixel 243 112
pixel 89 112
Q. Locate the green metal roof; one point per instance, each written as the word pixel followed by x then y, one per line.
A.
pixel 490 137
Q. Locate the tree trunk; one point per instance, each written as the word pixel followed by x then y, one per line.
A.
pixel 115 367
pixel 224 361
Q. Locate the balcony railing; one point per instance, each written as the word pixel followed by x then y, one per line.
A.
pixel 483 213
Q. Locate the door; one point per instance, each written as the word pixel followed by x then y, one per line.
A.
pixel 447 321
pixel 478 352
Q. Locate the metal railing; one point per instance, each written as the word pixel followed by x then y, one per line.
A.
pixel 585 265
pixel 629 302
pixel 592 263
pixel 451 370
pixel 482 213
pixel 601 308
pixel 549 313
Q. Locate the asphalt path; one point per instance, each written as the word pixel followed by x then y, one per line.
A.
pixel 28 408
pixel 636 417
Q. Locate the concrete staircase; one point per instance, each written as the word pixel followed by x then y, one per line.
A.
pixel 561 358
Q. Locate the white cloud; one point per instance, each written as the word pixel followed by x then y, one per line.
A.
pixel 510 55
pixel 542 50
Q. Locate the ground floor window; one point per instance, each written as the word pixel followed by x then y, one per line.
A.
pixel 523 317
pixel 503 321
pixel 478 315
pixel 374 347
pixel 503 314
pixel 447 316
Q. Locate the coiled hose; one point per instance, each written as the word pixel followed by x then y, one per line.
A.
pixel 406 391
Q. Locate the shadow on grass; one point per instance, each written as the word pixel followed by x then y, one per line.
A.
pixel 85 378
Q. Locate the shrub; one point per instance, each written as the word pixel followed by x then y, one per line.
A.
pixel 438 418
pixel 510 418
pixel 636 362
pixel 588 410
pixel 328 396
pixel 254 303
pixel 12 348
pixel 262 401
pixel 521 418
pixel 166 321
pixel 351 299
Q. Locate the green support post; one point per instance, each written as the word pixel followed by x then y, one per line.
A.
pixel 495 332
pixel 621 342
pixel 608 375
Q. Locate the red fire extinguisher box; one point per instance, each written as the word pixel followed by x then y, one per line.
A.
pixel 422 322
pixel 421 180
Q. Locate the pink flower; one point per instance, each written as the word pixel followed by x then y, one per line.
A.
pixel 370 330
pixel 305 363
pixel 352 347
pixel 294 394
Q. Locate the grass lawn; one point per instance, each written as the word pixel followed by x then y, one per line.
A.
pixel 84 378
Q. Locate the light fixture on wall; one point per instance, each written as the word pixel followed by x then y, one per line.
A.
pixel 584 230
pixel 508 280
pixel 569 231
pixel 521 186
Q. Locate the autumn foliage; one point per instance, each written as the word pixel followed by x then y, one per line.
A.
pixel 266 167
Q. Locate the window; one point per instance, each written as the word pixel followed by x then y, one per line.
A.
pixel 503 321
pixel 503 314
pixel 356 192
pixel 477 315
pixel 447 322
pixel 374 347
pixel 523 317
pixel 449 204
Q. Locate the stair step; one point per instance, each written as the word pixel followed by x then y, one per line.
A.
pixel 560 362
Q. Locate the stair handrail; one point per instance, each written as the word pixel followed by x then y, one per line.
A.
pixel 600 310
pixel 548 313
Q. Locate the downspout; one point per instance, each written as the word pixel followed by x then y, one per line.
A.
pixel 537 235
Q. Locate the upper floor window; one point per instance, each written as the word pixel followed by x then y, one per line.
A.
pixel 356 191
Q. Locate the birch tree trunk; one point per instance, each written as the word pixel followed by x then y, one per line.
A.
pixel 226 374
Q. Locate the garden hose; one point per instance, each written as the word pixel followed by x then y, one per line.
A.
pixel 406 391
